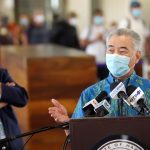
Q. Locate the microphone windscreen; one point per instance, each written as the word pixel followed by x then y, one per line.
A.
pixel 113 85
pixel 130 89
pixel 103 95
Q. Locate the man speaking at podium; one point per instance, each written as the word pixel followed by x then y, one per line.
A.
pixel 122 54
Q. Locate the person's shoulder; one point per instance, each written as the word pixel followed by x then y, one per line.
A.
pixel 147 81
pixel 87 28
pixel 3 74
pixel 84 33
pixel 94 88
pixel 3 70
pixel 143 81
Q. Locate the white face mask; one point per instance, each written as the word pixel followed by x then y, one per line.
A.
pixel 39 19
pixel 24 21
pixel 73 21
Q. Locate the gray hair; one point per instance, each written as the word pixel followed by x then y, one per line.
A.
pixel 127 32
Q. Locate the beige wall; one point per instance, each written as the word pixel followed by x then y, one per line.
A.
pixel 83 10
pixel 146 10
pixel 7 8
pixel 114 10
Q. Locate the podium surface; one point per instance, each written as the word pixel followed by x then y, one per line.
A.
pixel 88 133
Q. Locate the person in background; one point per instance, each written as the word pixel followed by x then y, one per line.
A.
pixel 147 48
pixel 24 21
pixel 63 32
pixel 38 31
pixel 5 36
pixel 72 19
pixel 113 26
pixel 135 21
pixel 11 94
pixel 123 52
pixel 146 60
pixel 19 36
pixel 92 39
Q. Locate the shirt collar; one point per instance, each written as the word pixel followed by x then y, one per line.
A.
pixel 111 79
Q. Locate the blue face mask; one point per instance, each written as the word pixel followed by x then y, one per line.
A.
pixel 98 20
pixel 24 22
pixel 117 64
pixel 136 12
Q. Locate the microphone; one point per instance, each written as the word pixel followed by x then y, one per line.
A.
pixel 89 107
pixel 118 91
pixel 137 98
pixel 102 108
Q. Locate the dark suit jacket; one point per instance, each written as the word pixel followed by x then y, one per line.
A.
pixel 63 34
pixel 16 96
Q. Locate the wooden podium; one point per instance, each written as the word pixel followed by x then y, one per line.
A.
pixel 93 133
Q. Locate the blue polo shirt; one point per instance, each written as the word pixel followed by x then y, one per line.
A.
pixel 104 85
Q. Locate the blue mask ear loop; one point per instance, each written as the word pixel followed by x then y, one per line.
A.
pixel 128 71
pixel 134 64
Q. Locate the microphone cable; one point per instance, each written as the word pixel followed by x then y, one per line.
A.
pixel 29 138
pixel 66 142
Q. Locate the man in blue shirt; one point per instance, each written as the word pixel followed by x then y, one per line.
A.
pixel 123 52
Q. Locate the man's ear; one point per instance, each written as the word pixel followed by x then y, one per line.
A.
pixel 138 56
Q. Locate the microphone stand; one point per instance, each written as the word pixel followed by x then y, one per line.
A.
pixel 5 141
pixel 120 107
